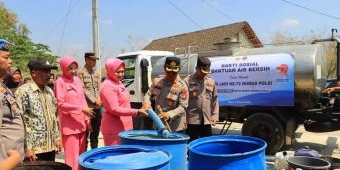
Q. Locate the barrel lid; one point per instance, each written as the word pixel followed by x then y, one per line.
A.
pixel 123 157
pixel 152 135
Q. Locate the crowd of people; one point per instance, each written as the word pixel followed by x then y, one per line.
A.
pixel 41 116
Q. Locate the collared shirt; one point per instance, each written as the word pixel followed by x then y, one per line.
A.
pixel 12 128
pixel 172 97
pixel 203 104
pixel 91 84
pixel 39 108
pixel 70 101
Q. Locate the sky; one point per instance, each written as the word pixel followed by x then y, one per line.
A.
pixel 66 25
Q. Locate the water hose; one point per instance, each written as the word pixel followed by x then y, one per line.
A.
pixel 160 126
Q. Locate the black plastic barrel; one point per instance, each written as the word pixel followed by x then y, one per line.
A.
pixel 125 157
pixel 335 162
pixel 43 165
pixel 307 163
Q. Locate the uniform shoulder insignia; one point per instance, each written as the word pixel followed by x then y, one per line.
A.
pixel 158 79
pixel 210 81
pixel 209 76
pixel 187 78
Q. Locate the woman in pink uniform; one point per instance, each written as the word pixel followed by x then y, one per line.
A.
pixel 73 112
pixel 116 101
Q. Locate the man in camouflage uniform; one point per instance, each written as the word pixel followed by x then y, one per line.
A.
pixel 171 94
pixel 203 106
pixel 91 83
pixel 12 128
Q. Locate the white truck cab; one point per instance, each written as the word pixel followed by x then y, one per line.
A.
pixel 138 69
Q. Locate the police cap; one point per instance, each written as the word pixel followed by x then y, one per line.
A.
pixel 204 64
pixel 91 55
pixel 172 64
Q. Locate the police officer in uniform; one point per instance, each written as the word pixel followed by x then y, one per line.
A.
pixel 12 128
pixel 170 94
pixel 203 106
pixel 91 83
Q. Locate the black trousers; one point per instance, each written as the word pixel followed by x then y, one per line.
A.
pixel 95 122
pixel 46 156
pixel 198 131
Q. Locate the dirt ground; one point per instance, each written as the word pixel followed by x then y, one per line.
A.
pixel 327 144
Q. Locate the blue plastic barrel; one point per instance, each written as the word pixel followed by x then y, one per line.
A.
pixel 175 144
pixel 125 157
pixel 227 152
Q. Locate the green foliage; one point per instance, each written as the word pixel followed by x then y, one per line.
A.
pixel 24 49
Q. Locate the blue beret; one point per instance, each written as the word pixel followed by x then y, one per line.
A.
pixel 5 45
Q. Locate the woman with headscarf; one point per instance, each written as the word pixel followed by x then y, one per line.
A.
pixel 116 101
pixel 13 79
pixel 74 114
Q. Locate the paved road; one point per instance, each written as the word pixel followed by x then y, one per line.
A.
pixel 327 144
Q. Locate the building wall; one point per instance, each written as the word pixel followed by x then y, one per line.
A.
pixel 243 39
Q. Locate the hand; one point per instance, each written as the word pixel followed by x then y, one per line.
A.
pixel 164 116
pixel 88 112
pixel 58 146
pixel 14 154
pixel 98 103
pixel 14 158
pixel 31 155
pixel 146 105
pixel 88 126
pixel 330 90
pixel 213 122
pixel 143 112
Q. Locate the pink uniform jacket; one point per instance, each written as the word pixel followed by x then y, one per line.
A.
pixel 70 100
pixel 116 101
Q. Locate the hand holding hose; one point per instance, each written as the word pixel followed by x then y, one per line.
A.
pixel 164 117
pixel 142 112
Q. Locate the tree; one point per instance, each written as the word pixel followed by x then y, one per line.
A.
pixel 24 49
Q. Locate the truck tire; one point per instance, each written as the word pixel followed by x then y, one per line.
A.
pixel 267 128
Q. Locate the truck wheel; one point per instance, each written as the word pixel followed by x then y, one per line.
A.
pixel 266 127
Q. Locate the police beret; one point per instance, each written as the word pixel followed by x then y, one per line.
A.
pixel 172 64
pixel 5 45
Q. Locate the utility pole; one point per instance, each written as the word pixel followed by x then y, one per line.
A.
pixel 95 29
